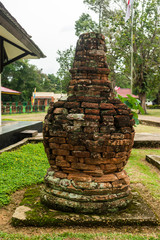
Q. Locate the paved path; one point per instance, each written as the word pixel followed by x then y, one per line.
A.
pixel 149 120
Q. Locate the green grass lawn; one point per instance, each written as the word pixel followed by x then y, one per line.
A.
pixel 147 129
pixel 28 165
pixel 141 172
pixel 78 236
pixel 21 168
pixel 153 112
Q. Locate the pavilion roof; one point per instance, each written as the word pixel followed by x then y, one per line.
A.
pixel 9 91
pixel 15 42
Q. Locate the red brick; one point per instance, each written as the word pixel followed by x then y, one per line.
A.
pixel 71 158
pixel 59 104
pixel 109 119
pixel 123 112
pixel 73 82
pixel 54 145
pixel 91 129
pixel 89 105
pixel 100 82
pixel 106 178
pixel 88 123
pixel 121 175
pixel 108 155
pixel 91 161
pixel 81 177
pixel 58 110
pixel 57 134
pixel 76 110
pixel 72 105
pixel 61 152
pixel 66 146
pixel 89 99
pixel 60 158
pixel 122 121
pixel 80 154
pixel 84 81
pixel 60 175
pixel 92 117
pixel 82 166
pixel 117 136
pixel 92 111
pixel 99 88
pixel 121 106
pixel 95 173
pixel 117 184
pixel 110 168
pixel 52 162
pixel 57 140
pixel 126 130
pixel 62 163
pixel 127 181
pixel 106 106
pixel 69 170
pixel 108 112
pixel 79 148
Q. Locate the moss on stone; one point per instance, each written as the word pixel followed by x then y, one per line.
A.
pixel 137 213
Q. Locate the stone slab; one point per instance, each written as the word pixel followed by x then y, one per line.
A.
pixel 148 122
pixel 137 213
pixel 29 133
pixel 150 140
pixel 154 159
pixel 10 132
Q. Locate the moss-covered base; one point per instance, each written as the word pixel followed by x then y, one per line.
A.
pixel 87 207
pixel 137 213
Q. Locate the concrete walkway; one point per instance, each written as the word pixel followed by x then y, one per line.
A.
pixel 149 120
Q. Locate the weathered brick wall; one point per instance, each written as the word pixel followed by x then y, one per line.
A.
pixel 88 137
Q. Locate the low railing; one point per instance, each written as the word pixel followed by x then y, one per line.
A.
pixel 13 108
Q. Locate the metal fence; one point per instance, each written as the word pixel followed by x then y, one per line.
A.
pixel 18 107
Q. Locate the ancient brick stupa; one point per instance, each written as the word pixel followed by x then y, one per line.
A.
pixel 88 138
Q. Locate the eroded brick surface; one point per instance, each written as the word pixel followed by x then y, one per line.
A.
pixel 88 137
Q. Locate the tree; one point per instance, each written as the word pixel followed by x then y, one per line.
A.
pixel 85 24
pixel 146 48
pixel 112 32
pixel 55 83
pixel 65 60
pixel 146 44
pixel 23 77
pixel 101 7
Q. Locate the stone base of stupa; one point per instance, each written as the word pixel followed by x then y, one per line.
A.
pixel 82 194
pixel 31 212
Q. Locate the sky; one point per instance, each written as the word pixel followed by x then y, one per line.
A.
pixel 51 23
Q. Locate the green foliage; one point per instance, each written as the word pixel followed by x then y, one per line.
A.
pixel 134 105
pixel 21 168
pixel 85 24
pixel 24 77
pixel 55 83
pixel 153 106
pixel 146 44
pixel 65 60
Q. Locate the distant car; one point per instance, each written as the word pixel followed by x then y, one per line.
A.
pixel 148 102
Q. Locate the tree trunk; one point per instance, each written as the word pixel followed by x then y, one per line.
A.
pixel 158 98
pixel 142 97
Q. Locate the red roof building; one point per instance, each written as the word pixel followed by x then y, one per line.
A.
pixel 124 91
pixel 9 91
